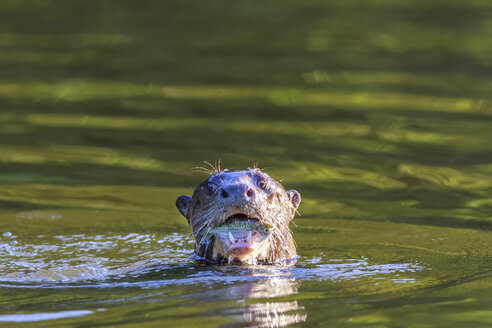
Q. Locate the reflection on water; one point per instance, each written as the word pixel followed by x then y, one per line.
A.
pixel 269 313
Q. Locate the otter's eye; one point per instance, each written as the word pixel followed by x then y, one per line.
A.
pixel 262 183
pixel 211 187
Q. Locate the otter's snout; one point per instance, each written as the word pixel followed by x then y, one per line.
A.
pixel 237 193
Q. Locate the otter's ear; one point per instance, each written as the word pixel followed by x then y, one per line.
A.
pixel 182 204
pixel 294 197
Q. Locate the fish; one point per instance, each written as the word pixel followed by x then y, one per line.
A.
pixel 235 229
pixel 232 228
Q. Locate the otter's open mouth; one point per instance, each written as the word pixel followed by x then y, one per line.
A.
pixel 240 235
pixel 241 218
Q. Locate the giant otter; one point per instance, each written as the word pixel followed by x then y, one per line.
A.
pixel 251 198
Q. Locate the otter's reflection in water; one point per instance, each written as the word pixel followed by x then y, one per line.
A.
pixel 272 313
pixel 276 314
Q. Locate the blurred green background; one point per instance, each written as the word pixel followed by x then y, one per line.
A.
pixel 377 112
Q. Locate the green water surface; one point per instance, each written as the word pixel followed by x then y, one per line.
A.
pixel 378 112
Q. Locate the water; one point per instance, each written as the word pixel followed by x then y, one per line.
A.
pixel 377 112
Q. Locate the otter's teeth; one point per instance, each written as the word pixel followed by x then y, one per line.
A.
pixel 249 237
pixel 231 238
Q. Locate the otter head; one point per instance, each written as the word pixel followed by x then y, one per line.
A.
pixel 251 198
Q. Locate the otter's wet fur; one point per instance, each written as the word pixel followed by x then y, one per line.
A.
pixel 251 194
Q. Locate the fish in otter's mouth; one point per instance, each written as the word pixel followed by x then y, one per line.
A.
pixel 240 237
pixel 241 216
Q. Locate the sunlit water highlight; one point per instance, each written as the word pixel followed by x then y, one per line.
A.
pixel 42 316
pixel 70 259
pixel 165 262
pixel 79 259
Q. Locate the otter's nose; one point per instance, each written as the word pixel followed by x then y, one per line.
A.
pixel 237 192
